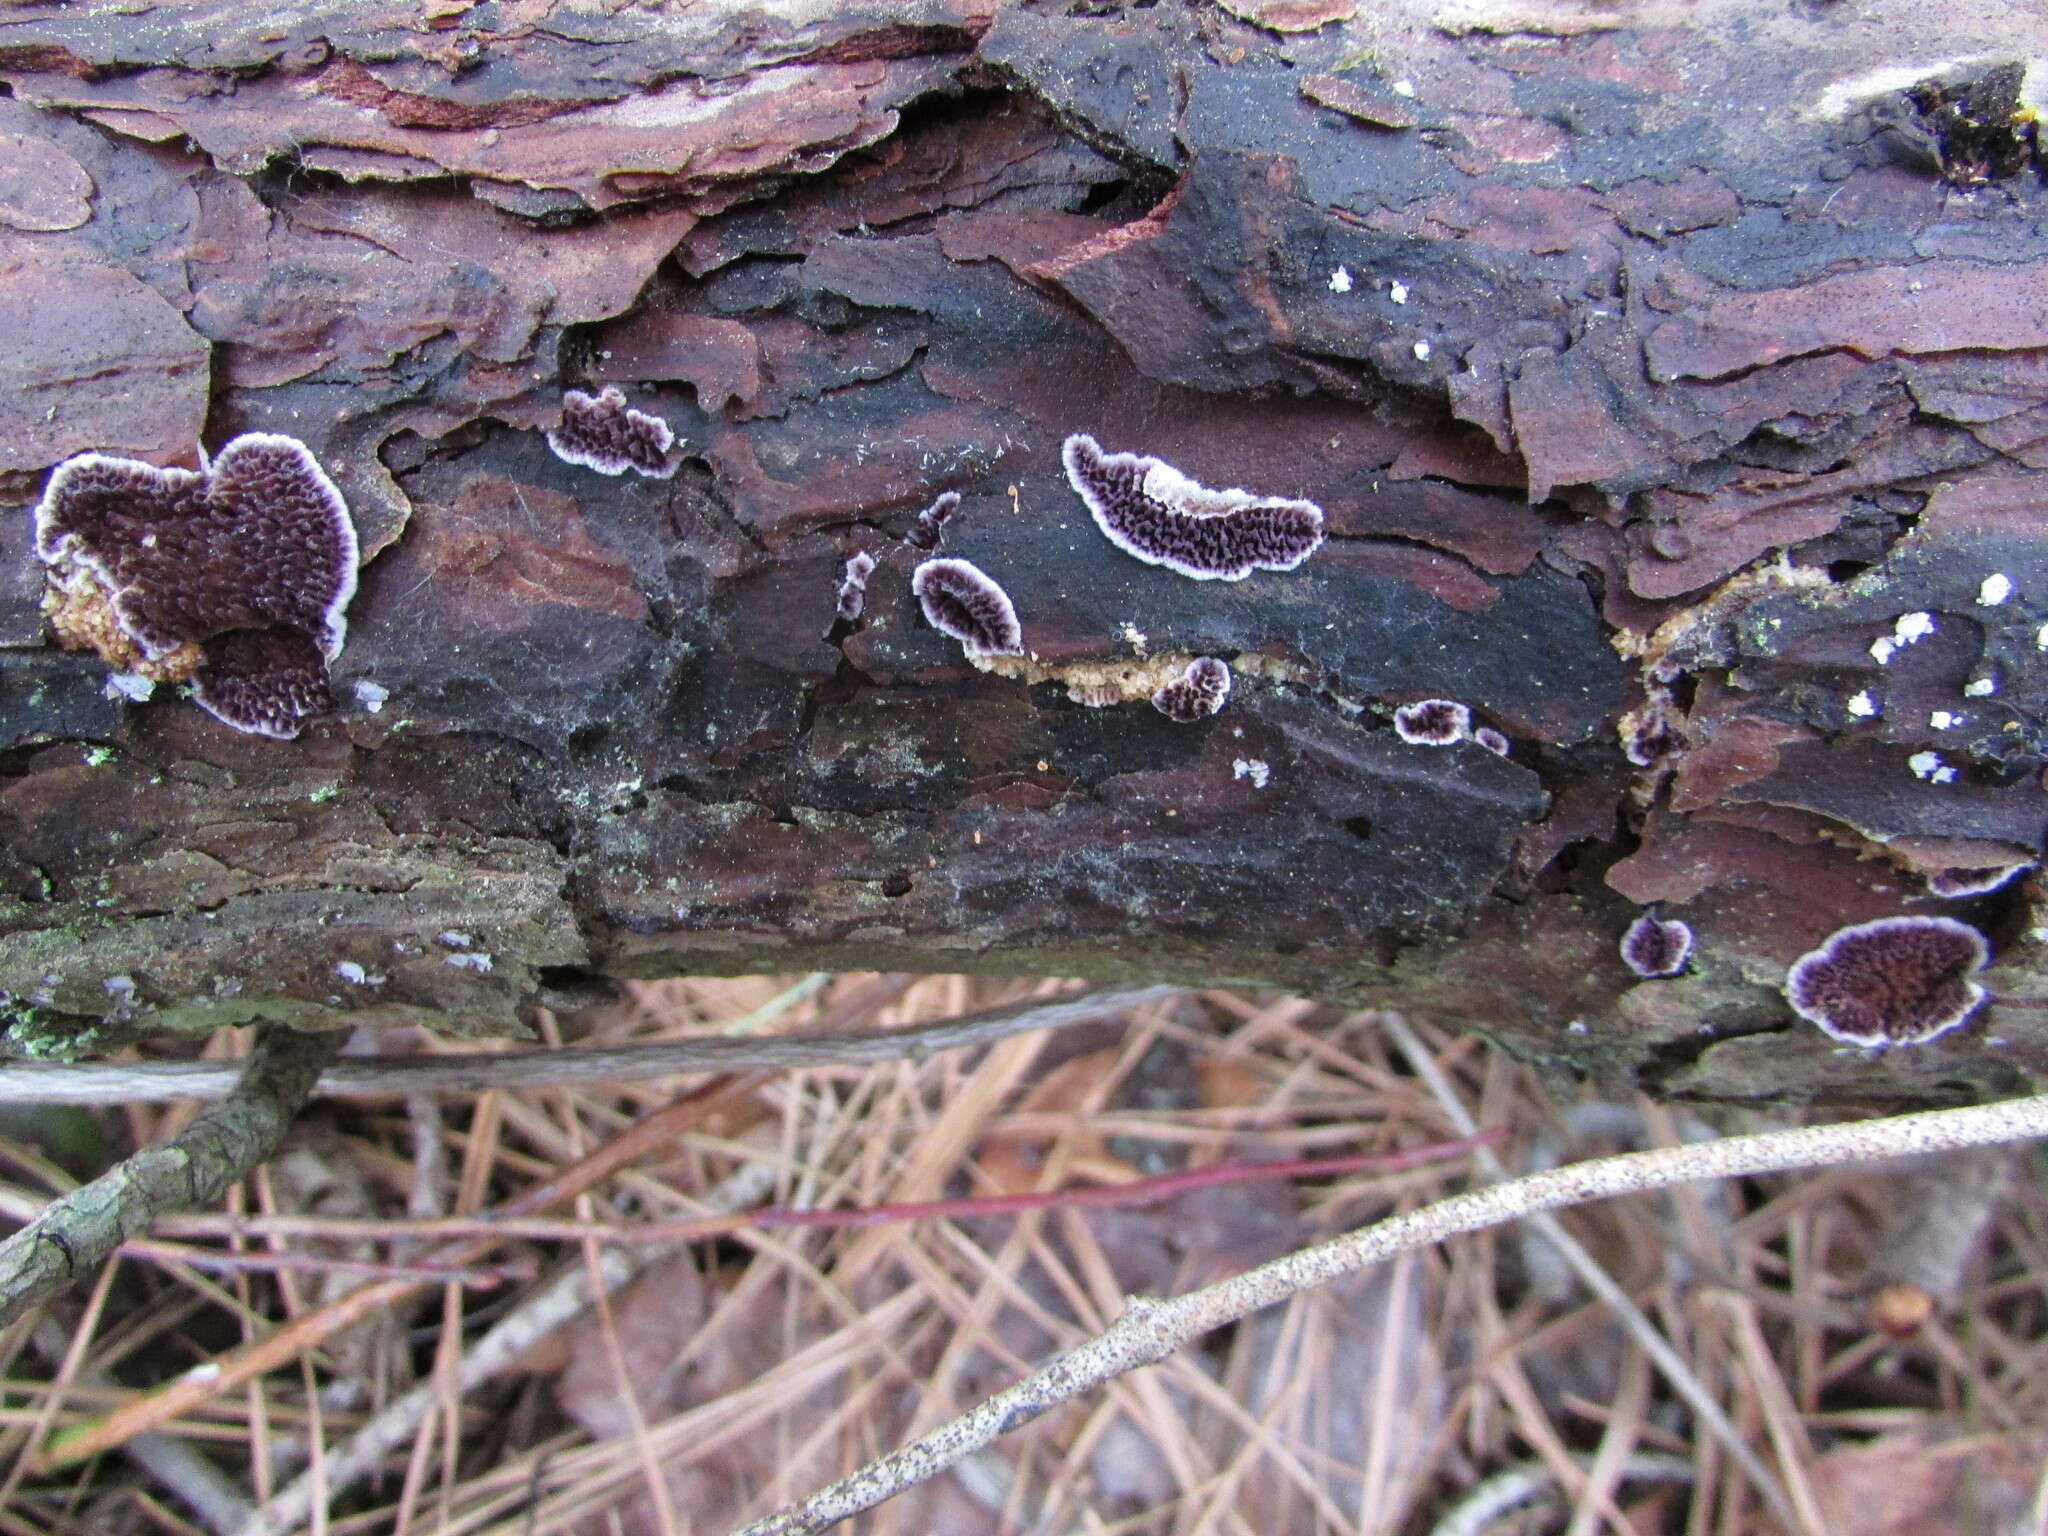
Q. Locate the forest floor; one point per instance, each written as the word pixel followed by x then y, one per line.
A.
pixel 1877 1336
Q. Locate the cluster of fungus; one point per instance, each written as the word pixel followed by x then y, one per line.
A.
pixel 1655 947
pixel 1196 693
pixel 1154 513
pixel 1895 981
pixel 603 433
pixel 234 577
pixel 961 600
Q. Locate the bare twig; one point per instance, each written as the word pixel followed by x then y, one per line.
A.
pixel 1150 1331
pixel 73 1235
pixel 33 1082
pixel 1596 1279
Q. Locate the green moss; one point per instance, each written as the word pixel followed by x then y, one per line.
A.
pixel 42 1035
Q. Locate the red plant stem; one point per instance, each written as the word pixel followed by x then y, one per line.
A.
pixel 691 1229
pixel 1136 1192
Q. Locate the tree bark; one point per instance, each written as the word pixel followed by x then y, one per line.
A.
pixel 1652 370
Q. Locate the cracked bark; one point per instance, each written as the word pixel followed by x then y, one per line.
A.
pixel 1570 324
pixel 74 1235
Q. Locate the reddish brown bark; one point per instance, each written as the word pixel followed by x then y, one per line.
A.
pixel 1646 376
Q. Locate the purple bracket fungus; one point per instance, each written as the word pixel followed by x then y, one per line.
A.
pixel 1651 734
pixel 929 529
pixel 1433 722
pixel 234 577
pixel 1492 740
pixel 1154 513
pixel 1954 883
pixel 1197 693
pixel 603 433
pixel 1655 947
pixel 853 585
pixel 1896 981
pixel 961 599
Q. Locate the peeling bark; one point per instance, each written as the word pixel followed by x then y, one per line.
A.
pixel 1646 369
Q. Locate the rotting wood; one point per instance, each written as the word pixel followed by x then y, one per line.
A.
pixel 1570 322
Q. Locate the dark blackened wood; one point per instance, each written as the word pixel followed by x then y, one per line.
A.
pixel 1650 374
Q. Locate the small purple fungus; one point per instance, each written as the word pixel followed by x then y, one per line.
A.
pixel 234 577
pixel 1492 740
pixel 929 529
pixel 603 433
pixel 1896 981
pixel 1954 883
pixel 1651 735
pixel 1433 722
pixel 1197 693
pixel 853 585
pixel 1153 512
pixel 1655 947
pixel 961 599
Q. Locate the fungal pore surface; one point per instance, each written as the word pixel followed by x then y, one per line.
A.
pixel 234 578
pixel 1433 722
pixel 1654 947
pixel 1153 512
pixel 1197 693
pixel 603 433
pixel 1896 981
pixel 961 599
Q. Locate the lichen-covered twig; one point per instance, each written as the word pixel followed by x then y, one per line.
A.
pixel 70 1238
pixel 1149 1331
pixel 1655 1347
pixel 37 1082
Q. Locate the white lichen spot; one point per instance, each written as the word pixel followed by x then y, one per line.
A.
pixel 1942 720
pixel 1881 650
pixel 1340 280
pixel 2041 638
pixel 1403 87
pixel 454 938
pixel 471 960
pixel 1862 705
pixel 1996 589
pixel 1980 687
pixel 127 685
pixel 1132 636
pixel 1576 1027
pixel 1422 350
pixel 1258 770
pixel 1913 627
pixel 1925 765
pixel 1944 775
pixel 121 988
pixel 351 973
pixel 371 696
pixel 1398 292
